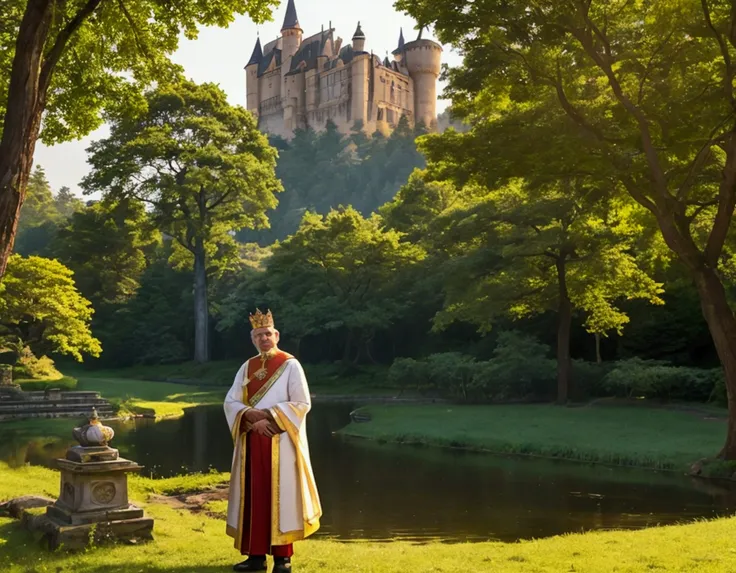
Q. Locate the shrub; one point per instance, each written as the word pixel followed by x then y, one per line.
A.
pixel 520 368
pixel 657 379
pixel 28 366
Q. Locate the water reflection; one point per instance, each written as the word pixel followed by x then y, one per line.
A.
pixel 378 491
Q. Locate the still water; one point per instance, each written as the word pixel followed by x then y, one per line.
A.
pixel 374 491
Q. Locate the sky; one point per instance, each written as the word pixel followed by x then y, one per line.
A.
pixel 219 56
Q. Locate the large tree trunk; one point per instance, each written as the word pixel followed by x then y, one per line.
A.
pixel 33 68
pixel 564 324
pixel 201 312
pixel 722 326
pixel 22 121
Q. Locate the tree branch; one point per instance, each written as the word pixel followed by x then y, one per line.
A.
pixel 728 80
pixel 726 205
pixel 54 54
pixel 604 64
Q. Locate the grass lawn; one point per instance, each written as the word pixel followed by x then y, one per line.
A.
pixel 324 379
pixel 631 436
pixel 186 542
pixel 161 399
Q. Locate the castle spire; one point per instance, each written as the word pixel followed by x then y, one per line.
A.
pixel 257 54
pixel 400 47
pixel 290 20
pixel 359 35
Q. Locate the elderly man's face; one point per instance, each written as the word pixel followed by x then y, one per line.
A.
pixel 265 339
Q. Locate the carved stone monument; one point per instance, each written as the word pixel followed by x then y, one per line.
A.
pixel 94 493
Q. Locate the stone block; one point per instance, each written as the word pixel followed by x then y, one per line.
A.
pixel 86 455
pixel 61 515
pixel 60 535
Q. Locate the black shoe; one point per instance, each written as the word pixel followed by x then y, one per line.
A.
pixel 253 563
pixel 282 565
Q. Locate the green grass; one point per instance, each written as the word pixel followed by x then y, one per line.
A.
pixel 159 399
pixel 34 384
pixel 196 543
pixel 634 436
pixel 327 379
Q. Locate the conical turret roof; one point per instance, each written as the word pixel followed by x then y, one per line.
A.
pixel 400 47
pixel 257 54
pixel 359 35
pixel 291 20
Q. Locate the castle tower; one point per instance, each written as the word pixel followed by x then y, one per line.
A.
pixel 423 61
pixel 291 33
pixel 251 79
pixel 359 40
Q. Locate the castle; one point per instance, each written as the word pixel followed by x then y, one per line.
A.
pixel 295 82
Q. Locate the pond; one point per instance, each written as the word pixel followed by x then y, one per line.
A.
pixel 379 492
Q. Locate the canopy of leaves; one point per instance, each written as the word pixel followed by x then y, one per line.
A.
pixel 340 271
pixel 40 305
pixel 199 162
pixel 321 171
pixel 106 246
pixel 116 52
pixel 637 92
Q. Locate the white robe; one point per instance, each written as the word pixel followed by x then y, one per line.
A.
pixel 295 505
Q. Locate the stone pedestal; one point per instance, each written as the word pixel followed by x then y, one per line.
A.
pixel 93 501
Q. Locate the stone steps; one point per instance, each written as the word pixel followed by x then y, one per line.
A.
pixel 54 404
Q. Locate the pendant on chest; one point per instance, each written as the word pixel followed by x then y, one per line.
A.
pixel 261 373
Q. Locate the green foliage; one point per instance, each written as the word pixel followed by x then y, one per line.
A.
pixel 106 245
pixel 155 325
pixel 65 383
pixel 28 366
pixel 339 273
pixel 658 379
pixel 200 162
pixel 112 54
pixel 519 369
pixel 40 306
pixel 321 171
pixel 39 206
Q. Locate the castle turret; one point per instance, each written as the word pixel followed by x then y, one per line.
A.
pixel 399 51
pixel 359 40
pixel 251 78
pixel 291 32
pixel 423 61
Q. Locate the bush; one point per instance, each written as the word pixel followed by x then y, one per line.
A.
pixel 658 379
pixel 28 366
pixel 519 369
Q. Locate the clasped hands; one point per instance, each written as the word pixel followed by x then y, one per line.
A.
pixel 262 422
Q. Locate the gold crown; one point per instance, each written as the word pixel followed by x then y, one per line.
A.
pixel 260 320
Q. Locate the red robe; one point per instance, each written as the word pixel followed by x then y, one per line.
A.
pixel 257 511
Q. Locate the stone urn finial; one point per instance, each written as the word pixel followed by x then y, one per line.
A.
pixel 93 433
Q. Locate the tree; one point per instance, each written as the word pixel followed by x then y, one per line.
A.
pixel 40 217
pixel 69 61
pixel 39 207
pixel 67 203
pixel 201 164
pixel 645 92
pixel 106 246
pixel 339 272
pixel 40 307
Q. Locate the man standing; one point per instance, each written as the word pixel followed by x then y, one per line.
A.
pixel 273 498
